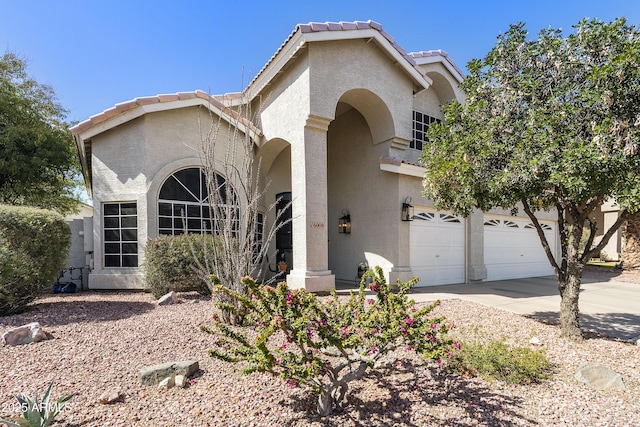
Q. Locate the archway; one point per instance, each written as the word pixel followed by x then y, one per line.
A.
pixel 360 133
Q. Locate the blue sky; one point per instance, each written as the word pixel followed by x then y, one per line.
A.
pixel 98 53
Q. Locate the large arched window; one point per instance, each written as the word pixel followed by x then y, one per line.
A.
pixel 183 203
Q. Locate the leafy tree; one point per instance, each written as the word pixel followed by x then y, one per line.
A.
pixel 548 124
pixel 38 159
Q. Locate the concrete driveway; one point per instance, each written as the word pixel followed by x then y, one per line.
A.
pixel 606 306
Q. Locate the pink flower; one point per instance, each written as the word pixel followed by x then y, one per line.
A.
pixel 374 287
pixel 456 344
pixel 289 297
pixel 408 321
pixel 371 301
pixel 409 348
pixel 283 346
pixel 434 326
pixel 373 350
pixel 292 384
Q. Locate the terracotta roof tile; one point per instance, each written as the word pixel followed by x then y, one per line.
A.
pixel 348 25
pixel 186 95
pixel 124 106
pixel 168 97
pixel 318 26
pixel 147 100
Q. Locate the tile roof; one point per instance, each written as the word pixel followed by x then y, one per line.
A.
pixel 318 27
pixel 436 53
pixel 218 101
pixel 123 107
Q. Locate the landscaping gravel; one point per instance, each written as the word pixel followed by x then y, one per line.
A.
pixel 99 341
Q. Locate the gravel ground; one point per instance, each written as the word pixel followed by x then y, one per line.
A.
pixel 99 341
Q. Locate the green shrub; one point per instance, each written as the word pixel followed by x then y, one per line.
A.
pixel 324 345
pixel 497 360
pixel 34 244
pixel 170 261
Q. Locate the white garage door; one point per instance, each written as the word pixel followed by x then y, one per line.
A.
pixel 437 248
pixel 512 248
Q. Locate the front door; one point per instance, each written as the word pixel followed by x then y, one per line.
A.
pixel 284 235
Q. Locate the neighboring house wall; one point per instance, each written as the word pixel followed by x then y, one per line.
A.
pixel 77 263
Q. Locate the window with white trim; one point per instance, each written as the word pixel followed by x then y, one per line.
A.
pixel 183 203
pixel 120 234
pixel 421 123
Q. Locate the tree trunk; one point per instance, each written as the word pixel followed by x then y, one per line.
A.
pixel 569 310
pixel 631 250
pixel 325 403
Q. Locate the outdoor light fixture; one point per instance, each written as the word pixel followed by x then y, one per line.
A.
pixel 407 209
pixel 344 223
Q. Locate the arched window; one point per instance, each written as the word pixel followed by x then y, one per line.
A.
pixel 183 203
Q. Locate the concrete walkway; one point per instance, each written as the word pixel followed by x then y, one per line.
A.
pixel 606 306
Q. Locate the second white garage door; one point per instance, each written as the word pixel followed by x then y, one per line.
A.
pixel 512 248
pixel 437 248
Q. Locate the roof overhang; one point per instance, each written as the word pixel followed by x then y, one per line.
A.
pixel 438 57
pixel 124 112
pixel 319 32
pixel 401 167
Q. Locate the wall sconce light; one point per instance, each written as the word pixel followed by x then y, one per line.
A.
pixel 407 209
pixel 344 223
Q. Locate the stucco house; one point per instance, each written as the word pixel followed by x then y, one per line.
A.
pixel 343 115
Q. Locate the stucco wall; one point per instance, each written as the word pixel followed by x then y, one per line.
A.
pixel 341 66
pixel 130 163
pixel 356 183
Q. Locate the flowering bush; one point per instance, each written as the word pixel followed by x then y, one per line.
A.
pixel 326 345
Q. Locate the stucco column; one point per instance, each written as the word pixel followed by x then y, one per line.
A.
pixel 309 222
pixel 476 269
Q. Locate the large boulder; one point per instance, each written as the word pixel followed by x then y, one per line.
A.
pixel 167 299
pixel 153 375
pixel 25 334
pixel 600 377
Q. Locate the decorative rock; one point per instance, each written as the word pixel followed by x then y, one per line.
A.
pixel 152 375
pixel 31 332
pixel 535 341
pixel 167 299
pixel 181 381
pixel 600 377
pixel 109 396
pixel 167 383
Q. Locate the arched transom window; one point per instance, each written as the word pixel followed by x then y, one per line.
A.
pixel 183 203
